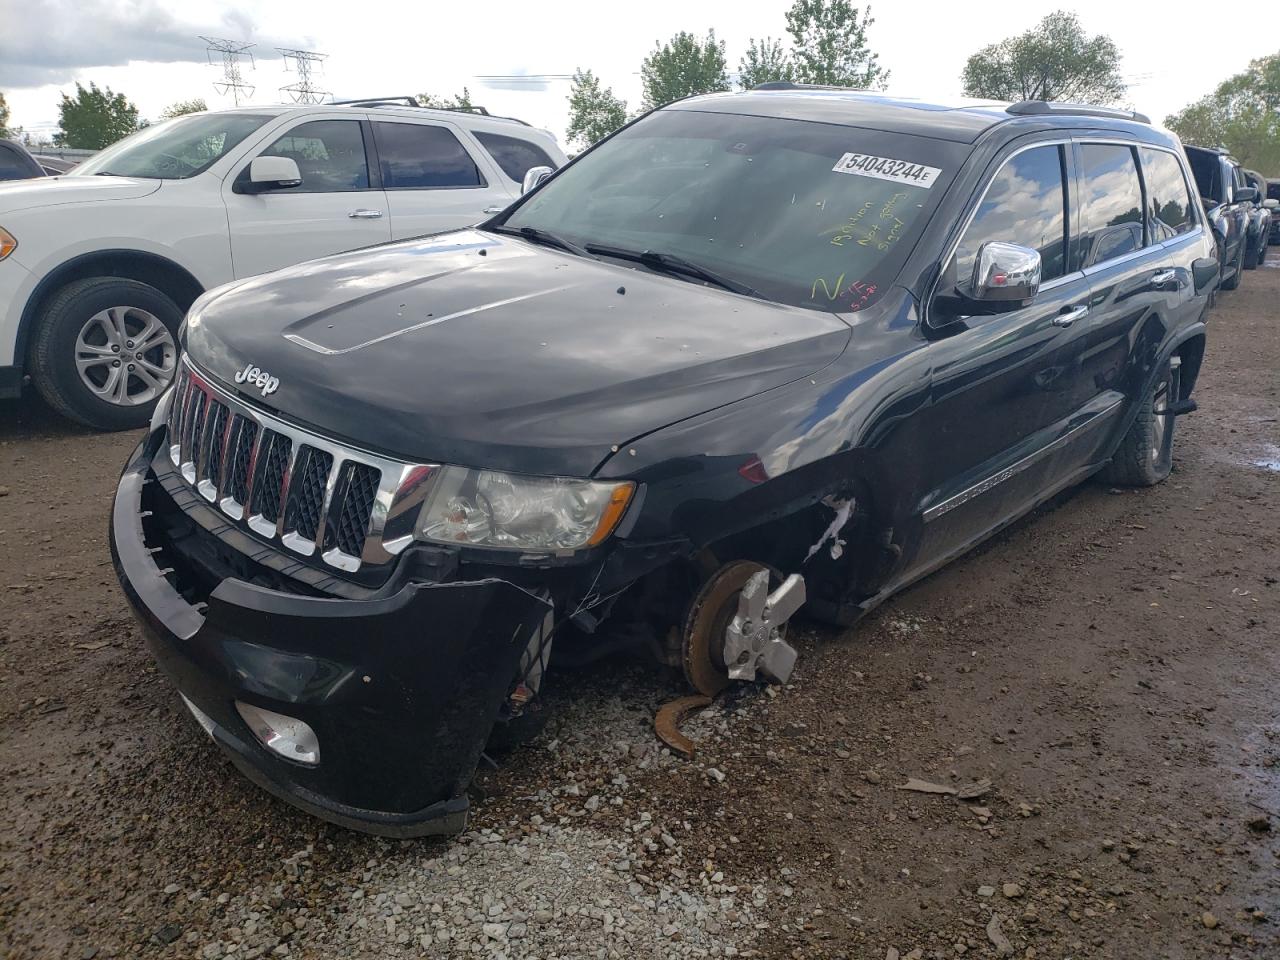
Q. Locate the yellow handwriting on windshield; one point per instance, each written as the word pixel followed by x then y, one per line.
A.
pixel 831 294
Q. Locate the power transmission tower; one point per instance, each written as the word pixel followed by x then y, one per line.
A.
pixel 232 51
pixel 302 91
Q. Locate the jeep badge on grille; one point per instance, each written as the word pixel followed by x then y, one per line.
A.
pixel 258 378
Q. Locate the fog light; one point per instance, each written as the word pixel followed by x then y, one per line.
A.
pixel 287 736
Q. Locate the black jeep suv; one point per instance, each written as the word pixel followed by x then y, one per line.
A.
pixel 1228 202
pixel 753 351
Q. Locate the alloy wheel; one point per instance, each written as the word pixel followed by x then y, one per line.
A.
pixel 125 356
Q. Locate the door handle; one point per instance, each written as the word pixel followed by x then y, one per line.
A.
pixel 1163 277
pixel 1069 316
pixel 365 214
pixel 493 209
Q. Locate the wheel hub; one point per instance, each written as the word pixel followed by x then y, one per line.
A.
pixel 736 628
pixel 125 356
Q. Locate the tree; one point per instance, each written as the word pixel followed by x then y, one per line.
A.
pixel 94 118
pixel 764 62
pixel 183 107
pixel 1054 60
pixel 1242 114
pixel 829 40
pixel 4 117
pixel 461 102
pixel 682 67
pixel 594 113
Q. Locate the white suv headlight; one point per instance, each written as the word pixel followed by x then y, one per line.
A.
pixel 488 508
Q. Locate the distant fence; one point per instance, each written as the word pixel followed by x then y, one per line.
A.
pixel 64 153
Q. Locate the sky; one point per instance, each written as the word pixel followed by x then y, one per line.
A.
pixel 151 50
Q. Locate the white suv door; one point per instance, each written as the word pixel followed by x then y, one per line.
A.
pixel 432 181
pixel 335 208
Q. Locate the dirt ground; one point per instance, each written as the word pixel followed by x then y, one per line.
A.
pixel 1109 664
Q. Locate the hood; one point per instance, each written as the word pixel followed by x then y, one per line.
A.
pixel 47 191
pixel 488 351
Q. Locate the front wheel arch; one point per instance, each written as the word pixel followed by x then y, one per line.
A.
pixel 168 276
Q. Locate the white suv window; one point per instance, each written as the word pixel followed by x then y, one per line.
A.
pixel 515 156
pixel 422 156
pixel 329 154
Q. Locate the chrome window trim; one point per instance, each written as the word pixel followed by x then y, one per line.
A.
pixel 1087 271
pixel 968 221
pixel 401 485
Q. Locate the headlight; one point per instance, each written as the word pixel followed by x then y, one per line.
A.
pixel 8 243
pixel 487 508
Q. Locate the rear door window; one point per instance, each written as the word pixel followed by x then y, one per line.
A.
pixel 329 154
pixel 514 156
pixel 1111 203
pixel 1024 204
pixel 423 156
pixel 1170 206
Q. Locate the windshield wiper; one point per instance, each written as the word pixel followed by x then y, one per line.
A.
pixel 544 237
pixel 671 263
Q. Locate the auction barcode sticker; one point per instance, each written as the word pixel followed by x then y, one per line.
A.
pixel 886 168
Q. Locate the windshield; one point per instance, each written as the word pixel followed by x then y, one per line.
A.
pixel 176 149
pixel 809 214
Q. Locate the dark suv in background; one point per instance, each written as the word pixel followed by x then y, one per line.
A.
pixel 1273 204
pixel 1228 201
pixel 16 163
pixel 794 346
pixel 1261 216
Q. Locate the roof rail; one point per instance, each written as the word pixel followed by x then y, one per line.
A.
pixel 792 85
pixel 413 102
pixel 1031 108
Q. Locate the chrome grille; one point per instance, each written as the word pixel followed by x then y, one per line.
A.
pixel 270 486
pixel 348 533
pixel 340 506
pixel 310 477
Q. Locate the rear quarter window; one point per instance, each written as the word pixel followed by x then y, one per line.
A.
pixel 1170 206
pixel 515 157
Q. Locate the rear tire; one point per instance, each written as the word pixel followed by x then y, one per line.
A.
pixel 104 350
pixel 1145 455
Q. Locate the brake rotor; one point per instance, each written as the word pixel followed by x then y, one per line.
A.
pixel 706 625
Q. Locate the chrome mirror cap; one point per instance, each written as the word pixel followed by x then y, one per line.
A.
pixel 533 177
pixel 1005 271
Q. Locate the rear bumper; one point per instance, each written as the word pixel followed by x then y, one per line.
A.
pixel 401 691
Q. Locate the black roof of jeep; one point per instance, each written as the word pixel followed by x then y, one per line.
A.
pixel 961 120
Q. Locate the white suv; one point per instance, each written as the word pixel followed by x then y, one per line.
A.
pixel 98 267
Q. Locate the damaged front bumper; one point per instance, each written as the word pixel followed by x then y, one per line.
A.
pixel 401 691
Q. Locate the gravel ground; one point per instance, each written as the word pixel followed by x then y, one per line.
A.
pixel 1108 665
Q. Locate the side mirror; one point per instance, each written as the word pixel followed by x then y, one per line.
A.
pixel 1271 204
pixel 272 173
pixel 1005 276
pixel 533 178
pixel 1204 271
pixel 1246 195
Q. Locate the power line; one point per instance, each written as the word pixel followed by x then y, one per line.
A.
pixel 231 52
pixel 303 91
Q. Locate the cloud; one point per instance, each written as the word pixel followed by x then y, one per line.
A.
pixel 54 39
pixel 521 80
